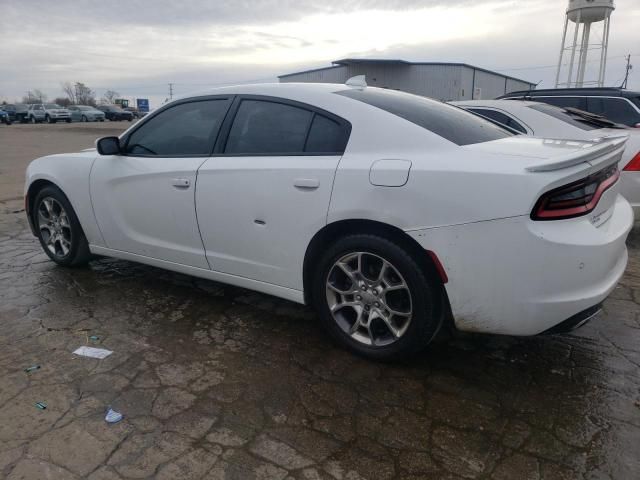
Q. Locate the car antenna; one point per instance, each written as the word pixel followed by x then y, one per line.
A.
pixel 357 81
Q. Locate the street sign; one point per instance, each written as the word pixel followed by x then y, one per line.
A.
pixel 142 104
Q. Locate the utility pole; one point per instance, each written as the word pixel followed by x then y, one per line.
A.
pixel 171 91
pixel 628 70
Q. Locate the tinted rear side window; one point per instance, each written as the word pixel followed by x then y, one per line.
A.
pixel 566 117
pixel 325 136
pixel 451 123
pixel 262 127
pixel 575 102
pixel 185 129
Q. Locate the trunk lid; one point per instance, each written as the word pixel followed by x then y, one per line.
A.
pixel 547 154
pixel 553 163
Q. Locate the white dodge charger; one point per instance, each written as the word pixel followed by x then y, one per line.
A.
pixel 392 214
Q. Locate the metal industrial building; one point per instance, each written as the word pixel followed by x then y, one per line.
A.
pixel 443 81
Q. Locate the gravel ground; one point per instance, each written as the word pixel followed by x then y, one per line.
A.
pixel 219 382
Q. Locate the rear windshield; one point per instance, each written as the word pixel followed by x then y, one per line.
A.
pixel 565 116
pixel 449 122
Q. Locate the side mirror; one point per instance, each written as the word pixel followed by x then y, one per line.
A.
pixel 108 146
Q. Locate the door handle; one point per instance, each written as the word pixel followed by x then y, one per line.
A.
pixel 181 182
pixel 306 183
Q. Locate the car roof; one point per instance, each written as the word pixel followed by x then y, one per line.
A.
pixel 304 92
pixel 580 92
pixel 503 103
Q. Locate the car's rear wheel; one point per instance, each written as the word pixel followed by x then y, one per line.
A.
pixel 374 298
pixel 32 119
pixel 68 120
pixel 84 118
pixel 58 228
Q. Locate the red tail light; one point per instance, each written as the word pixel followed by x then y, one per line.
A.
pixel 634 164
pixel 576 199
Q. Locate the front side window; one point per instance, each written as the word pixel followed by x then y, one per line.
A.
pixel 263 127
pixel 449 122
pixel 184 129
pixel 615 109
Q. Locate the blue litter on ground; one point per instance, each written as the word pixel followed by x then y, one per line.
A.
pixel 112 416
pixel 32 369
pixel 41 405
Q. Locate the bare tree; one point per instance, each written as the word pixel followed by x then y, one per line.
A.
pixel 78 93
pixel 110 96
pixel 62 101
pixel 84 95
pixel 34 96
pixel 70 92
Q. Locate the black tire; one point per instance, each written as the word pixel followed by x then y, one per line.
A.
pixel 426 295
pixel 32 119
pixel 68 120
pixel 78 253
pixel 47 119
pixel 84 118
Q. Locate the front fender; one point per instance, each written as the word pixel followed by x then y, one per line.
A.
pixel 70 173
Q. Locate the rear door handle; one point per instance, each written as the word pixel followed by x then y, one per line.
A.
pixel 181 182
pixel 306 183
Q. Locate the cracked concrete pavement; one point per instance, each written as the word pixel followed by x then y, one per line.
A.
pixel 223 383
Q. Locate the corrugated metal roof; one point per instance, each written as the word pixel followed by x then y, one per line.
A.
pixel 352 61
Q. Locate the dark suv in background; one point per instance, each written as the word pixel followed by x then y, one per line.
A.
pixel 17 112
pixel 616 104
pixel 115 113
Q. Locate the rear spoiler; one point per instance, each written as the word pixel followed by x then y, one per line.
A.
pixel 610 146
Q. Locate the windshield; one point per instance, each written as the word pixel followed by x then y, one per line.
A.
pixel 449 122
pixel 52 106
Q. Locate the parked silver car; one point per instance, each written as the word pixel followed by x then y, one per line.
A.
pixel 85 113
pixel 48 112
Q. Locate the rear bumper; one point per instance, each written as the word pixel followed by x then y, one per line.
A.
pixel 576 321
pixel 519 277
pixel 630 189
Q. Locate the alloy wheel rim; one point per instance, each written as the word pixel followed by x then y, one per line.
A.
pixel 54 227
pixel 369 299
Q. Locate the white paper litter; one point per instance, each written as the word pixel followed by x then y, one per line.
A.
pixel 93 352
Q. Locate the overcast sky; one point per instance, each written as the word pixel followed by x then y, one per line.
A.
pixel 137 47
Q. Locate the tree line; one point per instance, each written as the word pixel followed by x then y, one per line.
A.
pixel 76 93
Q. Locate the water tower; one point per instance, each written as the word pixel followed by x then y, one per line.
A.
pixel 584 14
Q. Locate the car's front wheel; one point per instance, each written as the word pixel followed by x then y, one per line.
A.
pixel 58 228
pixel 374 298
pixel 32 119
pixel 84 118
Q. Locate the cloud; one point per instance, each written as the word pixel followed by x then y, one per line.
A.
pixel 138 46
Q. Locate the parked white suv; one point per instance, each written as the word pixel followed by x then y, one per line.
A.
pixel 48 112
